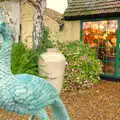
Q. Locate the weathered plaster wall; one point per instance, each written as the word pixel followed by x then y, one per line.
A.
pixel 71 31
pixel 53 28
pixel 27 24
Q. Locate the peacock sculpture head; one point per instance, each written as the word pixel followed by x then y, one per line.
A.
pixel 7 23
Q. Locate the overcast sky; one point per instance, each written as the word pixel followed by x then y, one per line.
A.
pixel 58 5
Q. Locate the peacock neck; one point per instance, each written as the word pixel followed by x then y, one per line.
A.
pixel 5 65
pixel 5 56
pixel 5 51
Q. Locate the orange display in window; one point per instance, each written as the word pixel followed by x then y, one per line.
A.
pixel 95 33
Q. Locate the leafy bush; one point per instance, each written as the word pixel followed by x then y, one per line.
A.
pixel 24 60
pixel 83 66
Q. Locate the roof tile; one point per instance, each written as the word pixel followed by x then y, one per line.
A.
pixel 92 7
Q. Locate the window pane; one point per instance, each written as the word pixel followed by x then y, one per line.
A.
pixel 101 35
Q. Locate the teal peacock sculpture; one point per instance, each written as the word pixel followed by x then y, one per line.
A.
pixel 24 93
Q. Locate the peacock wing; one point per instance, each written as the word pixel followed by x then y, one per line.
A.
pixel 37 92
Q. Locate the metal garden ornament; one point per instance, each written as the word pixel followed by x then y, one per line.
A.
pixel 25 93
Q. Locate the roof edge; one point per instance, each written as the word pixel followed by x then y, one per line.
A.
pixel 95 16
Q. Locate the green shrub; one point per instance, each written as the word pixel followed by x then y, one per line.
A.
pixel 24 60
pixel 82 63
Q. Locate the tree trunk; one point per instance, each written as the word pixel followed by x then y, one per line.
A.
pixel 38 26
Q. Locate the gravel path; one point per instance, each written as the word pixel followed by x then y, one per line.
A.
pixel 102 102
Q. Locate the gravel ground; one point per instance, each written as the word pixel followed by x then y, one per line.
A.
pixel 102 102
